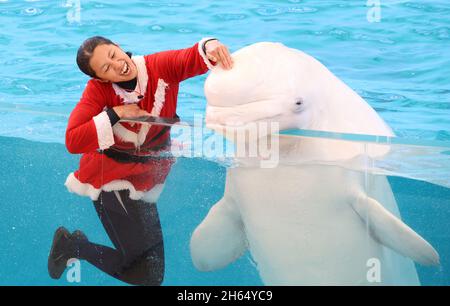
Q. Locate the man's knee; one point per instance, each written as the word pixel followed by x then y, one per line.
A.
pixel 148 270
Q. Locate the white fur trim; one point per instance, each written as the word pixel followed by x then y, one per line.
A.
pixel 85 189
pixel 132 97
pixel 138 139
pixel 202 54
pixel 143 133
pixel 152 196
pixel 125 134
pixel 75 186
pixel 104 131
pixel 160 97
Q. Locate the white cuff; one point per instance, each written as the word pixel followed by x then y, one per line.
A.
pixel 104 130
pixel 85 189
pixel 203 55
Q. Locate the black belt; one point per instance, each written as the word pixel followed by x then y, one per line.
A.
pixel 153 154
pixel 125 157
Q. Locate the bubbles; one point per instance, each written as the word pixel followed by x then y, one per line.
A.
pixel 174 4
pixel 386 41
pixel 269 11
pixel 301 10
pixel 186 95
pixel 156 28
pixel 31 11
pixel 24 89
pixel 273 11
pixel 228 17
pixel 340 34
pixel 184 30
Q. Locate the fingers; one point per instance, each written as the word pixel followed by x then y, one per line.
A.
pixel 132 111
pixel 222 56
pixel 144 113
pixel 212 57
pixel 225 57
pixel 140 112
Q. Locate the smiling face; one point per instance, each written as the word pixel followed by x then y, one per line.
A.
pixel 111 64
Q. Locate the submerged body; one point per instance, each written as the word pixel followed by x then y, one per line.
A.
pixel 304 231
pixel 307 223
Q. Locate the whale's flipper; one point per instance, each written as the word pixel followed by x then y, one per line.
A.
pixel 392 232
pixel 220 239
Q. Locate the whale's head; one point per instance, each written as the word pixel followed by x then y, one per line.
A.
pixel 271 83
pixel 261 87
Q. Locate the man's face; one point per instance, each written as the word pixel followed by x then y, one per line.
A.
pixel 111 64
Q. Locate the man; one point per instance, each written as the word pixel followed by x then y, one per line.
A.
pixel 120 169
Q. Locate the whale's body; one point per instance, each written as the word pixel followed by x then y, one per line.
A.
pixel 310 222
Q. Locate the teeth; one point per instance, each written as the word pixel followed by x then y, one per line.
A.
pixel 125 69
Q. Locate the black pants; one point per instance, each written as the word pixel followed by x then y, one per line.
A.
pixel 135 230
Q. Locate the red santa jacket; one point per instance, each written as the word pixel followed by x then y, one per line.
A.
pixel 89 129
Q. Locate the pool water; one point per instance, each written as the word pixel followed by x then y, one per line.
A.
pixel 399 65
pixel 35 202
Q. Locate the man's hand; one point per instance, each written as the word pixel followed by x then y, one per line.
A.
pixel 218 52
pixel 129 111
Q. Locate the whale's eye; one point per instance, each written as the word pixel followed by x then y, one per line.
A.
pixel 299 105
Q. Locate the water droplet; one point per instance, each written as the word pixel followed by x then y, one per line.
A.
pixel 157 28
pixel 386 41
pixel 231 16
pixel 302 10
pixel 185 31
pixel 31 11
pixel 269 11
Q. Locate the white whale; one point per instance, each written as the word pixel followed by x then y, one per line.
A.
pixel 311 222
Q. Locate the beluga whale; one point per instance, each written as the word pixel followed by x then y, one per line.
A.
pixel 312 219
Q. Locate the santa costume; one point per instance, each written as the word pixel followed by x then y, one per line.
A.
pixel 91 132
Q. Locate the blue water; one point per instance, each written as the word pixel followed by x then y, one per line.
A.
pixel 400 65
pixel 35 202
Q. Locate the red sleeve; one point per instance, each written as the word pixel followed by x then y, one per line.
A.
pixel 178 65
pixel 81 133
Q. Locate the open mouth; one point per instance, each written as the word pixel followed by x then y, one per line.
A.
pixel 125 69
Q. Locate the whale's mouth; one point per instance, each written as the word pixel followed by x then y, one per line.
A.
pixel 237 122
pixel 239 116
